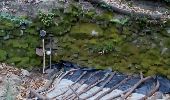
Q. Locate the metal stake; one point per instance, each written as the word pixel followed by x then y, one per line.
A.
pixel 50 50
pixel 43 56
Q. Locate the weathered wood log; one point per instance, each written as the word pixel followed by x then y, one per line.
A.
pixel 136 85
pixel 101 87
pixel 48 84
pixel 77 95
pixel 118 95
pixel 93 74
pixel 52 82
pixel 41 97
pixel 152 91
pixel 72 85
pixel 129 91
pixel 60 78
pixel 113 88
pixel 91 86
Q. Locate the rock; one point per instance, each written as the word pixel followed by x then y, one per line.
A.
pixel 25 72
pixel 164 51
pixel 14 79
pixel 94 33
pixel 0 79
pixel 48 71
pixel 159 95
pixel 1 67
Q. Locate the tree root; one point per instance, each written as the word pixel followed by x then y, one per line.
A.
pixel 101 87
pixel 113 88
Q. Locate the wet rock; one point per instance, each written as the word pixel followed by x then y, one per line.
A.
pixel 25 72
pixel 49 71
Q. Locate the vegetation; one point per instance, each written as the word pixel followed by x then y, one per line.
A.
pixel 91 39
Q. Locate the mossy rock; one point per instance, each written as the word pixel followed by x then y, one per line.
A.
pixel 85 30
pixel 6 25
pixel 2 33
pixel 3 55
pixel 106 16
pixel 17 43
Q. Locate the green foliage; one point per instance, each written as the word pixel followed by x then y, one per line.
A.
pixel 3 55
pixel 103 48
pixel 118 21
pixel 46 18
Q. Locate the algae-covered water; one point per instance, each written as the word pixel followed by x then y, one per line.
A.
pixel 100 40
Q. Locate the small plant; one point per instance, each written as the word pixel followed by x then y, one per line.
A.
pixel 46 19
pixel 118 21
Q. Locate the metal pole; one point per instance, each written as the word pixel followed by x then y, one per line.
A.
pixel 43 56
pixel 50 51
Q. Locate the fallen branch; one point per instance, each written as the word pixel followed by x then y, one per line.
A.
pixel 130 90
pixel 152 91
pixel 101 87
pixel 113 88
pixel 41 97
pixel 93 74
pixel 118 95
pixel 60 78
pixel 77 95
pixel 78 79
pixel 136 85
pixel 52 82
pixel 48 84
pixel 91 86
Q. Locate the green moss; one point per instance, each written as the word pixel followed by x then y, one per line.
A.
pixel 2 33
pixel 3 55
pixel 85 30
pixel 105 16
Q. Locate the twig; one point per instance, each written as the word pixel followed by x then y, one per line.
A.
pixel 91 86
pixel 152 91
pixel 41 97
pixel 101 88
pixel 113 88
